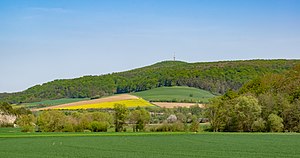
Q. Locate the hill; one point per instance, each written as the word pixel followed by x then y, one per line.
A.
pixel 102 103
pixel 216 77
pixel 175 94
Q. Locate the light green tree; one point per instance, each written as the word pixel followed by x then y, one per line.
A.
pixel 26 122
pixel 246 111
pixel 121 114
pixel 139 118
pixel 275 123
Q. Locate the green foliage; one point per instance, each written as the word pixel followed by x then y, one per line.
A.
pixel 139 118
pixel 216 77
pixel 51 121
pixel 169 127
pixel 236 114
pixel 121 114
pixel 26 122
pixel 245 112
pixel 275 123
pixel 194 125
pixel 259 125
pixel 273 106
pixel 96 126
pixel 6 108
pixel 56 121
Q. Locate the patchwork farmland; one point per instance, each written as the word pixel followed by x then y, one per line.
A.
pixel 129 101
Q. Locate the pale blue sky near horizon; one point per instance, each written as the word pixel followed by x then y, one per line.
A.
pixel 59 39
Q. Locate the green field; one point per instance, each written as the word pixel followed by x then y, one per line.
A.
pixel 53 102
pixel 175 94
pixel 165 145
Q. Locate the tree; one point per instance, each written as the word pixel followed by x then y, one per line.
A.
pixel 51 121
pixel 194 125
pixel 121 114
pixel 247 110
pixel 275 123
pixel 216 112
pixel 139 118
pixel 96 126
pixel 26 122
pixel 259 125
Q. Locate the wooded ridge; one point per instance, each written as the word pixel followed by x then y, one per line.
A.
pixel 216 77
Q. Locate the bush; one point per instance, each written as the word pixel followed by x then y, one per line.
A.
pixel 172 127
pixel 275 123
pixel 194 125
pixel 27 128
pixel 259 125
pixel 96 126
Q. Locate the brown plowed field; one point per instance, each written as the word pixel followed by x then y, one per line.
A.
pixel 94 101
pixel 172 105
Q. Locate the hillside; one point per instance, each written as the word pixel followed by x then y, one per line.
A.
pixel 102 103
pixel 216 77
pixel 175 94
pixel 269 103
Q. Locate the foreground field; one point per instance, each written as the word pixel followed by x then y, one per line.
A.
pixel 107 102
pixel 166 145
pixel 175 94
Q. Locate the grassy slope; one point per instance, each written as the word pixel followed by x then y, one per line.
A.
pixel 54 102
pixel 165 145
pixel 175 94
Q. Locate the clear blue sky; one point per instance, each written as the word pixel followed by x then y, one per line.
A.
pixel 45 40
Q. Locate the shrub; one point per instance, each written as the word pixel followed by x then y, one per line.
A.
pixel 96 126
pixel 27 128
pixel 170 127
pixel 258 125
pixel 275 123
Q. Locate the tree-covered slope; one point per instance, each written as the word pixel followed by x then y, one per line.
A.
pixel 269 103
pixel 216 77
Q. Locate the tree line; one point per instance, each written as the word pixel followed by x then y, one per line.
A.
pixel 120 118
pixel 270 103
pixel 216 77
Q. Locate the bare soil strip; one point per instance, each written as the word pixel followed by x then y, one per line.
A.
pixel 94 101
pixel 172 105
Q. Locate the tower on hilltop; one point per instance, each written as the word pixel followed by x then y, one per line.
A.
pixel 174 57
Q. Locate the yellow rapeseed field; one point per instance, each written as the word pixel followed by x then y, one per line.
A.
pixel 109 105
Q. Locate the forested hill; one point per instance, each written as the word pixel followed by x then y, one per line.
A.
pixel 216 77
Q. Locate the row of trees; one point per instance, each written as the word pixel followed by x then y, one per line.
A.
pixel 267 104
pixel 216 77
pixel 58 121
pixel 179 119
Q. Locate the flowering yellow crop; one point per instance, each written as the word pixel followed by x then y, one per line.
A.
pixel 109 105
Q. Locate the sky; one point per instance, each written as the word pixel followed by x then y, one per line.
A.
pixel 59 39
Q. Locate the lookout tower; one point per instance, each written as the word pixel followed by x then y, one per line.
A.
pixel 174 57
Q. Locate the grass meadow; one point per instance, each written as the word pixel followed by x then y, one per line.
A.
pixel 135 145
pixel 175 94
pixel 54 102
